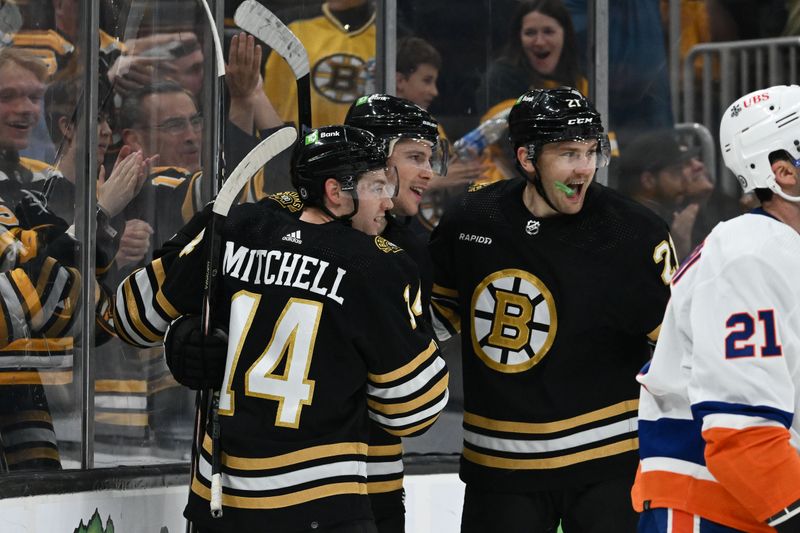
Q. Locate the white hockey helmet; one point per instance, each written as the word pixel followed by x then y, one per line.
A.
pixel 756 125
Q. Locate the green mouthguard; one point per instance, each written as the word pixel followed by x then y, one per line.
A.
pixel 566 189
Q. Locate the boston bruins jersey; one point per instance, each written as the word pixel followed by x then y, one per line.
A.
pixel 342 63
pixel 555 315
pixel 40 297
pixel 317 315
pixel 56 51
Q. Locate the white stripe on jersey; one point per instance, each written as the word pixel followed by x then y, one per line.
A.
pixel 16 319
pixel 26 435
pixel 146 291
pixel 53 298
pixel 35 361
pixel 120 402
pixel 122 319
pixel 408 388
pixel 411 419
pixel 580 438
pixel 737 422
pixel 290 479
pixel 669 464
pixel 384 468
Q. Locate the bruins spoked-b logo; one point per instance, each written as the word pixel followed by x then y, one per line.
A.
pixel 340 77
pixel 513 320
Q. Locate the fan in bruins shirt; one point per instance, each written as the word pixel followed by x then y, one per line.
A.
pixel 346 344
pixel 556 285
pixel 39 283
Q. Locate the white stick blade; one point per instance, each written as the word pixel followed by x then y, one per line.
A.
pixel 249 165
pixel 260 22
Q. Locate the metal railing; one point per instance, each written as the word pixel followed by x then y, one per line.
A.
pixel 729 70
pixel 698 135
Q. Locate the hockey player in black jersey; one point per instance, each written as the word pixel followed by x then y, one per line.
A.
pixel 556 284
pixel 414 151
pixel 323 336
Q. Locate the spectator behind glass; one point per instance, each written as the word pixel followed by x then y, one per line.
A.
pixel 417 69
pixel 652 172
pixel 639 90
pixel 540 53
pixel 715 206
pixel 126 178
pixel 341 52
pixel 418 66
pixel 41 290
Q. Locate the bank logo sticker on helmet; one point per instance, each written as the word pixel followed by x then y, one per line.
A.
pixel 735 110
pixel 312 137
pixel 514 322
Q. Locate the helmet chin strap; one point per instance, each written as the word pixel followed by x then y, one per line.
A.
pixel 346 217
pixel 536 181
pixel 774 187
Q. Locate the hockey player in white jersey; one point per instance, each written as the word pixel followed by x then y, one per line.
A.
pixel 718 433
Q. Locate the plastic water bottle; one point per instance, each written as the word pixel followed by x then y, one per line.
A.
pixel 473 143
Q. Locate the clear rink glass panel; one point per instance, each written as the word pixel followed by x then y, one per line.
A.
pixel 40 273
pixel 156 109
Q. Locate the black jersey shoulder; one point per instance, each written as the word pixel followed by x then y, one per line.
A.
pixel 485 200
pixel 270 224
pixel 615 209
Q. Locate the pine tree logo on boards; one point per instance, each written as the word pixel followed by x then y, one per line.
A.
pixel 95 525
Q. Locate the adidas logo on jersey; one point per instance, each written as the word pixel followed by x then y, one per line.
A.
pixel 293 237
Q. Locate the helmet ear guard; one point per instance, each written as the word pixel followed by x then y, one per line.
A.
pixel 756 126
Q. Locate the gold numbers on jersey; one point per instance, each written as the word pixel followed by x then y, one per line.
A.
pixel 414 309
pixel 664 252
pixel 292 342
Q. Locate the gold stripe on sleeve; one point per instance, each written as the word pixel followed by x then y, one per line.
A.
pixel 405 369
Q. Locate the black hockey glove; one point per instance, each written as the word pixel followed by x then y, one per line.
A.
pixel 196 361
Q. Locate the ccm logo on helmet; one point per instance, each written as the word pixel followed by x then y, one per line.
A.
pixel 756 98
pixel 478 239
pixel 579 121
pixel 329 134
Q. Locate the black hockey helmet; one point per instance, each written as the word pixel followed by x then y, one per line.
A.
pixel 339 152
pixel 543 116
pixel 388 117
pixel 391 117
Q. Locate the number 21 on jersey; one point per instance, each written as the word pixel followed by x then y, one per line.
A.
pixel 742 327
pixel 292 339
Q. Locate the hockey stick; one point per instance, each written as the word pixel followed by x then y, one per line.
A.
pixel 207 401
pixel 257 158
pixel 260 22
